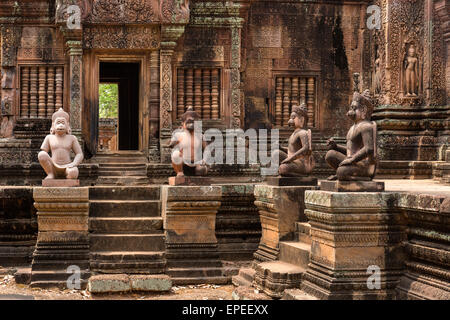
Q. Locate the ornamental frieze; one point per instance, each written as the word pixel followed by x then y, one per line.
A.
pixel 121 37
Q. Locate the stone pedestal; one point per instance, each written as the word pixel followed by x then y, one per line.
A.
pixel 189 214
pixel 62 250
pixel 60 183
pixel 279 209
pixel 356 249
pixel 189 181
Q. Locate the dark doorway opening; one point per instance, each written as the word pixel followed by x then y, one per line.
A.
pixel 126 75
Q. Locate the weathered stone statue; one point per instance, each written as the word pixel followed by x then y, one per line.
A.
pixel 297 159
pixel 188 145
pixel 411 65
pixel 357 160
pixel 60 142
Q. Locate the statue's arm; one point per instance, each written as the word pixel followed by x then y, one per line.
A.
pixel 368 149
pixel 78 152
pixel 332 145
pixel 341 148
pixel 46 145
pixel 174 140
pixel 305 145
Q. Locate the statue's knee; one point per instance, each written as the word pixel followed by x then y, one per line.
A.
pixel 72 173
pixel 283 169
pixel 330 155
pixel 176 157
pixel 201 170
pixel 43 156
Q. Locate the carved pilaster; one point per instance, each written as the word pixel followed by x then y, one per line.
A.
pixel 169 37
pixel 76 65
pixel 154 155
pixel 235 76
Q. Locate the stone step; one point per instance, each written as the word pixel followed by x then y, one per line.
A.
pixel 186 263
pixel 126 242
pixel 200 280
pixel 123 181
pixel 124 208
pixel 303 231
pixel 110 283
pixel 296 294
pixel 122 173
pixel 118 160
pixel 273 277
pixel 125 225
pixel 194 272
pixel 128 255
pixel 58 276
pixel 296 253
pixel 130 262
pixel 124 193
pixel 121 165
pixel 244 278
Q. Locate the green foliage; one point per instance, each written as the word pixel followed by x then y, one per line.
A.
pixel 108 94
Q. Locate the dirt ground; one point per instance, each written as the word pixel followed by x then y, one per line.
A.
pixel 10 290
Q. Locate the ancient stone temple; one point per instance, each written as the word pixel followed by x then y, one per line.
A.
pixel 239 64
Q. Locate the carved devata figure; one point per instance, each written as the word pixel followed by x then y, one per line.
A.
pixel 411 67
pixel 297 159
pixel 60 142
pixel 357 160
pixel 186 146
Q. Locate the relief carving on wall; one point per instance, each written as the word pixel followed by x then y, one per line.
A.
pixel 123 11
pixel 407 31
pixel 121 37
pixel 411 77
pixel 174 11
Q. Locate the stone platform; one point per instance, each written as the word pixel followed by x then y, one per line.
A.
pixel 352 186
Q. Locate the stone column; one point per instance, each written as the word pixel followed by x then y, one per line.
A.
pixel 356 248
pixel 189 214
pixel 75 84
pixel 279 209
pixel 61 256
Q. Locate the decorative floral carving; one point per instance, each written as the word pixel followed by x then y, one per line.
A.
pixel 123 11
pixel 121 37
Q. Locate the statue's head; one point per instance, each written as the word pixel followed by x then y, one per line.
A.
pixel 411 51
pixel 299 116
pixel 361 107
pixel 188 119
pixel 60 123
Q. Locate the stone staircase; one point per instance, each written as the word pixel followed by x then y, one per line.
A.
pixel 122 168
pixel 275 277
pixel 126 230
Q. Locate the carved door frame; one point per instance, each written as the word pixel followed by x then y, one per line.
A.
pixel 91 82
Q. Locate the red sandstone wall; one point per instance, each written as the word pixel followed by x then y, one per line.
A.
pixel 305 39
